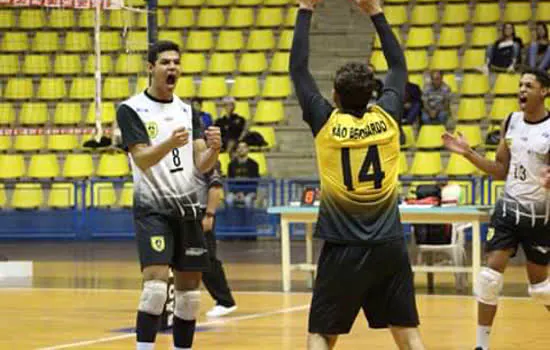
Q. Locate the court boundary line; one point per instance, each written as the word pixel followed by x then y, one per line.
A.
pixel 219 321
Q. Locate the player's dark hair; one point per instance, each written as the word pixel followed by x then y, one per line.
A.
pixel 161 46
pixel 542 76
pixel 354 83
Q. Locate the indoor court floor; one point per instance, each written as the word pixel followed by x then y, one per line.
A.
pixel 84 295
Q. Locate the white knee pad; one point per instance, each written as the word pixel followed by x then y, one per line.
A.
pixel 540 292
pixel 153 297
pixel 488 286
pixel 187 304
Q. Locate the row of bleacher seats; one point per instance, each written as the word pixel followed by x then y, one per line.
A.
pixel 118 88
pixel 136 41
pixel 236 17
pixel 131 64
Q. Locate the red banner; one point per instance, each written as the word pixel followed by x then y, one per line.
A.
pixel 21 2
pixel 5 2
pixel 52 3
pixel 50 131
pixel 81 4
pixel 77 4
pixel 37 2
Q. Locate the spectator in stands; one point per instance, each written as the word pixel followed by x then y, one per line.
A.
pixel 232 125
pixel 413 104
pixel 539 50
pixel 379 84
pixel 242 167
pixel 206 118
pixel 437 100
pixel 505 53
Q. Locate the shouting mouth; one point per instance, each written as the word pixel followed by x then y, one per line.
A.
pixel 171 79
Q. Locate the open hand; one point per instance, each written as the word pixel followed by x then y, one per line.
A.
pixel 180 137
pixel 308 4
pixel 213 137
pixel 370 7
pixel 545 177
pixel 455 144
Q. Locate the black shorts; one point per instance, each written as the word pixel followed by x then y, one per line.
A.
pixel 505 233
pixel 376 278
pixel 169 240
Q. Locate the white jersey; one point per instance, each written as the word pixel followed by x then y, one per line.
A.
pixel 529 145
pixel 170 185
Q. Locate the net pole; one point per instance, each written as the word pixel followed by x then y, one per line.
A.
pixel 97 73
pixel 152 24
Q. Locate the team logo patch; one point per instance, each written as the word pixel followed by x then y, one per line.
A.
pixel 152 129
pixel 157 243
pixel 490 233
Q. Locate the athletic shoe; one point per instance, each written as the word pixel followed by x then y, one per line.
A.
pixel 219 310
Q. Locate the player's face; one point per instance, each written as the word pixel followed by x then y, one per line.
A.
pixel 531 93
pixel 242 149
pixel 508 30
pixel 166 70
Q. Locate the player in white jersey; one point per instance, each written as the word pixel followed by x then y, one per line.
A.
pixel 155 126
pixel 522 215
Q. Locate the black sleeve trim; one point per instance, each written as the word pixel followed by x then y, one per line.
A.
pixel 131 127
pixel 507 123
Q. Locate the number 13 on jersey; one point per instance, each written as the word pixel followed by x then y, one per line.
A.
pixel 371 169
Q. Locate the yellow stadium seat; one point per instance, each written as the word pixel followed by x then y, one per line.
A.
pixel 523 32
pixel 27 196
pixel 130 64
pixel 460 166
pixel 502 107
pixel 181 18
pixel 268 133
pixel 51 89
pixel 517 12
pixel 396 15
pixel 19 89
pixel 444 60
pixel 137 41
pixel 423 15
pixel 111 41
pixel 417 60
pixel 253 62
pixel 210 18
pixel 9 64
pixel 86 19
pixel 483 36
pixel 429 136
pixel 113 164
pixel 474 84
pixel 104 195
pixel 7 19
pixel 219 3
pixel 492 128
pixel 67 113
pixel 260 40
pixel 79 42
pixel 547 103
pixel 190 3
pixel 33 113
pixel 7 113
pixel 471 109
pixel 108 113
pixel 269 17
pixel 121 19
pixel 248 2
pixel 285 40
pixel 378 45
pixel 472 133
pixel 193 63
pixel 126 199
pixel 450 79
pixel 29 143
pixel 64 18
pixel 506 84
pixel 403 164
pixel 12 165
pixel 185 87
pixel 32 19
pixel 426 164
pixel 224 162
pixel 543 11
pixel 417 78
pixel 210 107
pixel 379 62
pixel 61 195
pixel 5 143
pixel 15 42
pixel 408 131
pixel 67 64
pixel 199 41
pixel 276 86
pixel 269 111
pixel 242 108
pixel 259 157
pixel 62 142
pixel 280 62
pixel 45 42
pixel 486 13
pixel 473 58
pixel 455 14
pixel 491 155
pixel 245 87
pixel 82 89
pixel 277 2
pixel 142 19
pixel 222 63
pixel 78 165
pixel 420 37
pixel 36 64
pixel 240 17
pixel 166 3
pixel 106 64
pixel 290 18
pixel 230 40
pixel 3 198
pixel 213 87
pixel 43 166
pixel 172 35
pixel 451 37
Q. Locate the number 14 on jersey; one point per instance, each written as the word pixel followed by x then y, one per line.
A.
pixel 371 170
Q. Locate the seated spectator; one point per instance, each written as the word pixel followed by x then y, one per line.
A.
pixel 539 50
pixel 242 192
pixel 206 118
pixel 412 104
pixel 505 53
pixel 232 125
pixel 437 100
pixel 379 84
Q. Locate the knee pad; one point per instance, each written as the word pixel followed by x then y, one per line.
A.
pixel 153 297
pixel 187 304
pixel 540 292
pixel 488 286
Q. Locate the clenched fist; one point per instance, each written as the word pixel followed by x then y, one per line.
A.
pixel 545 177
pixel 213 138
pixel 179 138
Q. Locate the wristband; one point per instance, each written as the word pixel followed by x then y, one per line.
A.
pixel 209 214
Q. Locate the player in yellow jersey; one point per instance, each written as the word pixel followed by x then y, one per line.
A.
pixel 364 262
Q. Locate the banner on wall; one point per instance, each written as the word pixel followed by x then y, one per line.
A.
pixel 77 4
